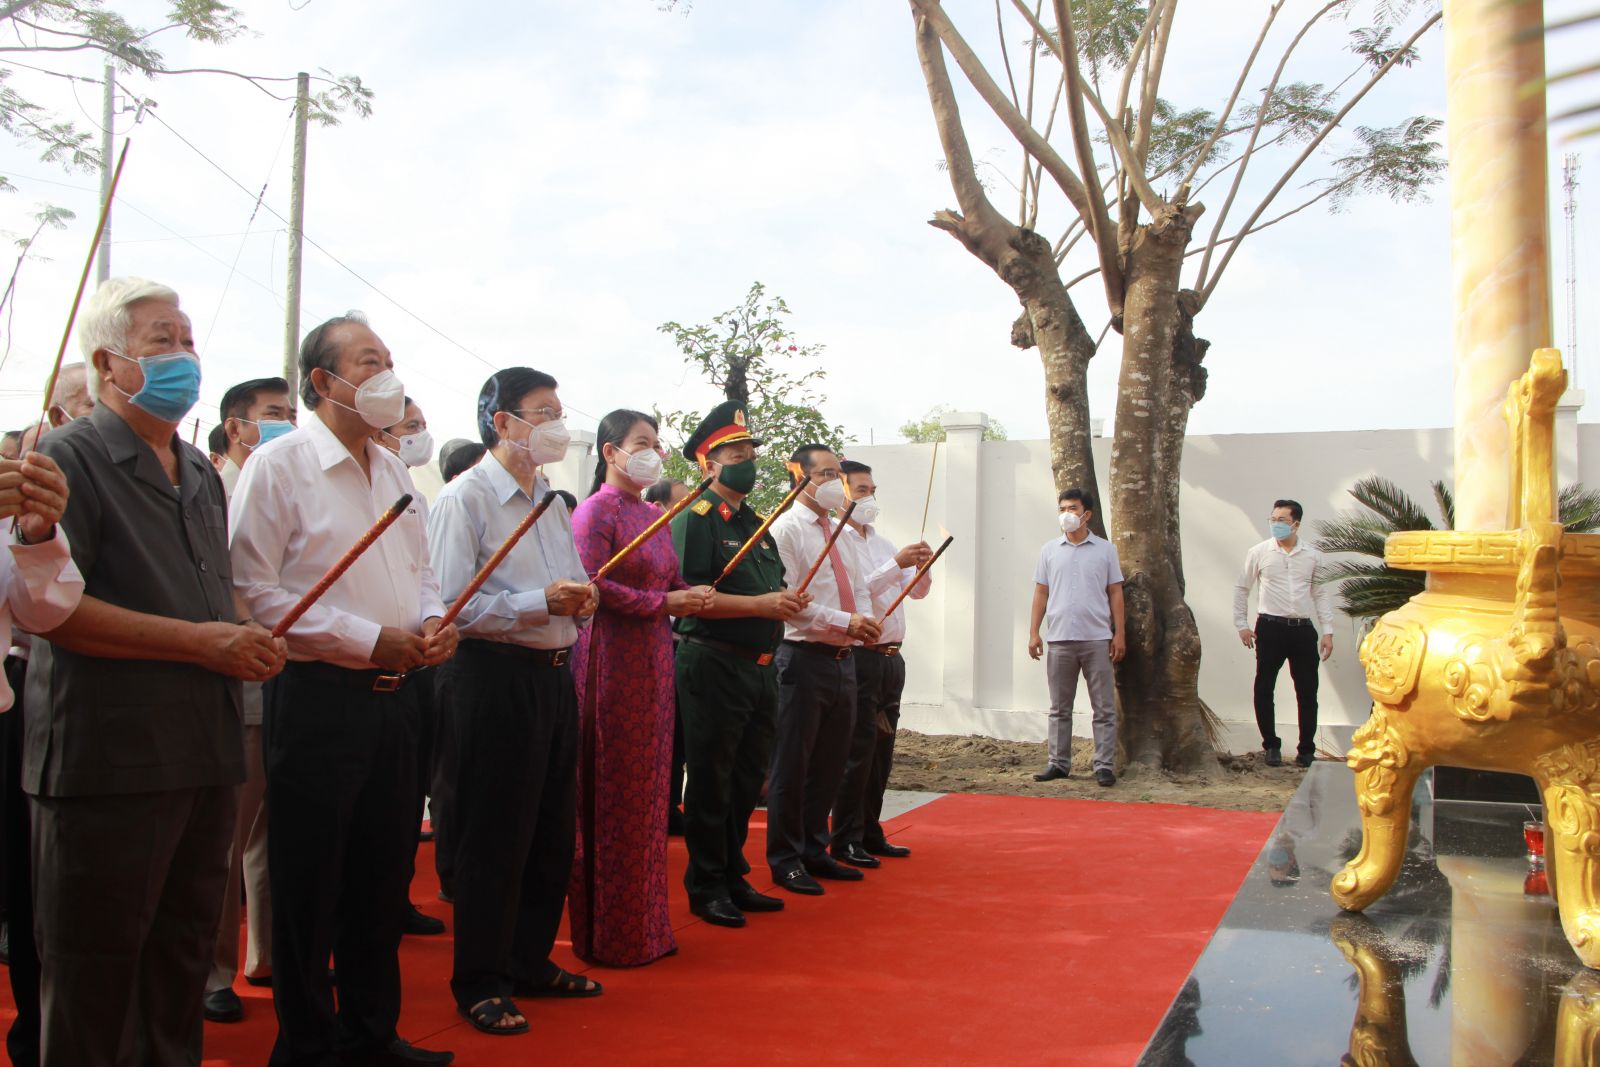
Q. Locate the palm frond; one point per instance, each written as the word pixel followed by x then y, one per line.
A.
pixel 1579 509
pixel 1446 500
pixel 1391 504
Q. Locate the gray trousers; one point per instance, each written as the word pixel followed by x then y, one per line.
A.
pixel 127 890
pixel 1063 661
pixel 816 712
pixel 247 867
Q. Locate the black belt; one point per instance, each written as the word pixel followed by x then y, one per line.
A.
pixel 1285 620
pixel 539 657
pixel 761 658
pixel 882 650
pixel 372 681
pixel 831 651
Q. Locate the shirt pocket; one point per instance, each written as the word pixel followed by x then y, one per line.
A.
pixel 215 520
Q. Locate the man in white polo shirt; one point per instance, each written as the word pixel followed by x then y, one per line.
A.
pixel 1292 592
pixel 1077 595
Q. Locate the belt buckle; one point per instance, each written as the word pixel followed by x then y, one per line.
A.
pixel 889 650
pixel 844 650
pixel 558 658
pixel 764 659
pixel 388 683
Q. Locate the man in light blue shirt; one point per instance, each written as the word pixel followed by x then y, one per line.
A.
pixel 1077 595
pixel 508 697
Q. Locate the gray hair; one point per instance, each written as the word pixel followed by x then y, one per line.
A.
pixel 317 352
pixel 106 320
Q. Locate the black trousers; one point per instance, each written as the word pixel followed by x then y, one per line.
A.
pixel 1275 643
pixel 513 818
pixel 423 728
pixel 127 897
pixel 816 714
pixel 341 785
pixel 879 682
pixel 729 706
pixel 441 791
pixel 22 1041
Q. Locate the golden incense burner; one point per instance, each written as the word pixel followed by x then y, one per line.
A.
pixel 1495 666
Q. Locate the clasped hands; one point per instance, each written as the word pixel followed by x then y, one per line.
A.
pixel 34 491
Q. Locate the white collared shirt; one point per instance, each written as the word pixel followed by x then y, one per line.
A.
pixel 472 517
pixel 230 476
pixel 886 578
pixel 301 503
pixel 800 537
pixel 1292 585
pixel 40 588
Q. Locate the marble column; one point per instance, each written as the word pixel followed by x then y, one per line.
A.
pixel 1499 233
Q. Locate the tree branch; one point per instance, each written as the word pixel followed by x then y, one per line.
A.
pixel 974 202
pixel 1100 224
pixel 1134 55
pixel 1238 87
pixel 992 95
pixel 1311 147
pixel 16 7
pixel 1261 118
pixel 1152 85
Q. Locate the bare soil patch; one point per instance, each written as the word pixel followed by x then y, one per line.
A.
pixel 941 763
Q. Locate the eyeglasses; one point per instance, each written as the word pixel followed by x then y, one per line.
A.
pixel 542 414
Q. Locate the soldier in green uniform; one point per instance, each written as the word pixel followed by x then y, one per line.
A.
pixel 727 684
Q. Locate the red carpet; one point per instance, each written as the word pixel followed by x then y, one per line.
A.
pixel 1020 930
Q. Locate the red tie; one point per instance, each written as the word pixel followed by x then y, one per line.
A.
pixel 847 596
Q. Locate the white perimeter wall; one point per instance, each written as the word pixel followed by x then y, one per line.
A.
pixel 968 670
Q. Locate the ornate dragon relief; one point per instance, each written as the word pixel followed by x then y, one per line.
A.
pixel 1378 749
pixel 1392 655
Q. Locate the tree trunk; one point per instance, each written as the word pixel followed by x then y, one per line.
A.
pixel 1162 717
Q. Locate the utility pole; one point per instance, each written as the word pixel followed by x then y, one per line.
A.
pixel 108 112
pixel 1569 185
pixel 297 218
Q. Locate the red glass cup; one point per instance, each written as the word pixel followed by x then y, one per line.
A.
pixel 1533 836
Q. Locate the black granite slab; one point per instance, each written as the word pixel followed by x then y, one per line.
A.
pixel 1462 962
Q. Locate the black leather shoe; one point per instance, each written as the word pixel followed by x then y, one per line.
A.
pixel 258 980
pixel 1305 760
pixel 718 912
pixel 5 944
pixel 1051 773
pixel 400 1053
pixel 828 867
pixel 1274 757
pixel 1105 777
pixel 745 898
pixel 223 1006
pixel 798 881
pixel 418 923
pixel 856 856
pixel 886 849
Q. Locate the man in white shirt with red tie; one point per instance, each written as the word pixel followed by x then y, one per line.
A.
pixel 880 678
pixel 340 750
pixel 816 678
pixel 1295 604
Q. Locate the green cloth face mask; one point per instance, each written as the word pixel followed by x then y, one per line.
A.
pixel 739 477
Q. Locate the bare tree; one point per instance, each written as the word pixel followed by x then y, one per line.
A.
pixel 1131 183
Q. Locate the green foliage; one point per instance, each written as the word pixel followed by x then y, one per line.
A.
pixel 1299 110
pixel 1399 162
pixel 929 428
pixel 1368 588
pixel 752 356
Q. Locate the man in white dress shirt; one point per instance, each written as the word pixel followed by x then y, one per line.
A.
pixel 880 678
pixel 340 746
pixel 816 678
pixel 1077 597
pixel 511 705
pixel 1294 606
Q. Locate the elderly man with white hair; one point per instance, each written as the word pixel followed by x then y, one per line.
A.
pixel 134 749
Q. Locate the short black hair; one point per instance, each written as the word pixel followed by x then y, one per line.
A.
pixel 237 400
pixel 217 440
pixel 850 466
pixel 503 392
pixel 457 457
pixel 802 456
pixel 659 493
pixel 1082 496
pixel 1295 510
pixel 318 353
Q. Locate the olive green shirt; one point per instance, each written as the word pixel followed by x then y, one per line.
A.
pixel 707 534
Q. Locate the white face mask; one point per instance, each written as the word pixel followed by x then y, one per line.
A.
pixel 643 467
pixel 866 512
pixel 547 443
pixel 416 449
pixel 380 400
pixel 829 495
pixel 1070 522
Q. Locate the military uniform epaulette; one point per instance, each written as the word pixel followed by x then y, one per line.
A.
pixel 701 507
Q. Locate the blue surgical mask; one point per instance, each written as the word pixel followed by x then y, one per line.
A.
pixel 1281 530
pixel 269 429
pixel 171 384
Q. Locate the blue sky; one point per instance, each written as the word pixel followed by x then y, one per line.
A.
pixel 545 183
